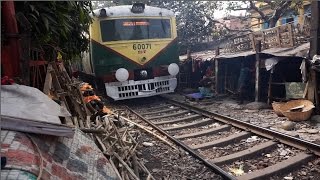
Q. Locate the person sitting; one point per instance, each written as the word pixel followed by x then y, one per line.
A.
pixel 205 86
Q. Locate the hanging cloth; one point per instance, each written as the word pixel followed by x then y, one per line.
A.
pixel 271 62
pixel 303 70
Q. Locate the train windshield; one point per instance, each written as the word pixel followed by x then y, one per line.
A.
pixel 135 29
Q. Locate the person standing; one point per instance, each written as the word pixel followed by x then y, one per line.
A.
pixel 243 82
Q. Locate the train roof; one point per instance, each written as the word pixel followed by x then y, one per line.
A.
pixel 125 11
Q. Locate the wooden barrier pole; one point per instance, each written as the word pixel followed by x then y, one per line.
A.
pixel 257 86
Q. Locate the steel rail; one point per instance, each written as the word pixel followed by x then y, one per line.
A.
pixel 264 132
pixel 195 154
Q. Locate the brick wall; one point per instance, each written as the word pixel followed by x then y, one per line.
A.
pixel 63 158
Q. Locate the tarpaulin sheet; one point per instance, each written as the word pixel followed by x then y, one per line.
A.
pixel 30 103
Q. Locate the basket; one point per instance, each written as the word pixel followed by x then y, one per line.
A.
pixel 297 116
pixel 276 108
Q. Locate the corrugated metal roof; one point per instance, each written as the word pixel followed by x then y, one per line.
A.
pixel 238 54
pixel 299 51
pixel 209 54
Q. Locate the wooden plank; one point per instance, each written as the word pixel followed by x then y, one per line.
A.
pixel 311 87
pixel 189 125
pixel 305 90
pixel 168 115
pixel 188 118
pixel 32 126
pixel 48 80
pixel 57 86
pixel 288 164
pixel 223 141
pixel 205 132
pixel 245 153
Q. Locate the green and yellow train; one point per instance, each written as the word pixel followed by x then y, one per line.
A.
pixel 134 50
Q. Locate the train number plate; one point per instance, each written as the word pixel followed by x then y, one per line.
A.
pixel 141 48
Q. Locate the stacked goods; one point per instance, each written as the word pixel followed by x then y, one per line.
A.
pixel 93 102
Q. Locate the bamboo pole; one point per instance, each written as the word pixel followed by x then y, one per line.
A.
pixel 125 165
pixel 148 131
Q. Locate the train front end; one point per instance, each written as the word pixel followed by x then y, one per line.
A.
pixel 134 51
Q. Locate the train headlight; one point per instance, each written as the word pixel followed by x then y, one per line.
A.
pixel 122 74
pixel 143 73
pixel 173 69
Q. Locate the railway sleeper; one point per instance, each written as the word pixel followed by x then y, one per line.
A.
pixel 160 111
pixel 205 132
pixel 279 168
pixel 164 106
pixel 223 141
pixel 185 119
pixel 245 154
pixel 168 115
pixel 189 125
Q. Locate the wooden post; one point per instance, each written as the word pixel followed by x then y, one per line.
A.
pixel 278 37
pixel 188 54
pixel 216 66
pixel 257 87
pixel 252 39
pixel 315 29
pixel 225 77
pixel 291 40
pixel 315 48
pixel 269 87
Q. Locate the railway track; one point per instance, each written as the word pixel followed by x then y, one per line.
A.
pixel 229 146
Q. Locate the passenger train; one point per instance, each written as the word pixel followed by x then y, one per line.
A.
pixel 134 50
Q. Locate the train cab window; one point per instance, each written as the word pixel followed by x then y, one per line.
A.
pixel 135 29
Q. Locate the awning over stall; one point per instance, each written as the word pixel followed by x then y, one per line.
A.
pixel 299 51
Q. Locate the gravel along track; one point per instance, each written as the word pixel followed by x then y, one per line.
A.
pixel 164 162
pixel 222 145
